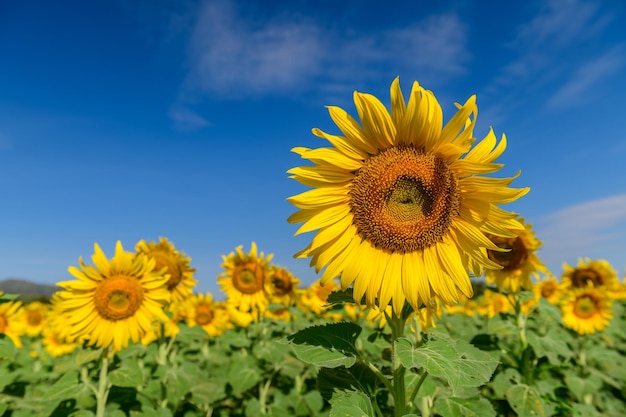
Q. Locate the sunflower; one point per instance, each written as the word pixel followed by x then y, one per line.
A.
pixel 116 300
pixel 244 279
pixel 35 314
pixel 204 312
pixel 494 303
pixel 400 213
pixel 587 310
pixel 550 289
pixel 518 263
pixel 281 286
pixel 12 323
pixel 55 338
pixel 597 272
pixel 314 298
pixel 176 264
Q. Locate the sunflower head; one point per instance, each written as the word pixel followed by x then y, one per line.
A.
pixel 399 204
pixel 115 300
pixel 202 311
pixel 12 322
pixel 550 289
pixel 175 264
pixel 281 285
pixel 587 310
pixel 517 259
pixel 244 279
pixel 596 273
pixel 35 314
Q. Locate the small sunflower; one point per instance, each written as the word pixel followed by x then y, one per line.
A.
pixel 115 300
pixel 176 264
pixel 244 279
pixel 314 297
pixel 12 323
pixel 55 338
pixel 518 263
pixel 204 312
pixel 597 273
pixel 281 286
pixel 400 204
pixel 494 303
pixel 35 314
pixel 587 310
pixel 550 289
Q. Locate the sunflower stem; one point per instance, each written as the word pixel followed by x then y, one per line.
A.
pixel 103 384
pixel 399 391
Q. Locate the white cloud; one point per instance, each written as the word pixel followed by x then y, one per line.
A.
pixel 595 229
pixel 586 76
pixel 231 55
pixel 186 119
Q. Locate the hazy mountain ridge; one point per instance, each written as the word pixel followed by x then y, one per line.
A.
pixel 27 290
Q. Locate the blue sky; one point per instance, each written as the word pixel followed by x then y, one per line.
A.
pixel 129 120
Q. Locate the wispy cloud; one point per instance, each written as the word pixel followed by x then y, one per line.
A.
pixel 586 76
pixel 231 55
pixel 187 120
pixel 594 228
pixel 557 51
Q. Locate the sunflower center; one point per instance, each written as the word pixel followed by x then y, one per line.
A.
pixel 281 283
pixel 204 315
pixel 583 276
pixel 165 260
pixel 585 307
pixel 34 318
pixel 3 324
pixel 515 258
pixel 248 278
pixel 404 200
pixel 118 297
pixel 547 290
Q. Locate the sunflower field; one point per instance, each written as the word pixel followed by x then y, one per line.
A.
pixel 432 300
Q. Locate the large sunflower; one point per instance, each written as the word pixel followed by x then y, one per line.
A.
pixel 243 279
pixel 399 203
pixel 115 300
pixel 176 264
pixel 519 263
pixel 587 310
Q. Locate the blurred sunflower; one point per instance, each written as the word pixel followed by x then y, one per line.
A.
pixel 176 264
pixel 202 311
pixel 494 303
pixel 116 300
pixel 35 314
pixel 12 323
pixel 399 202
pixel 518 263
pixel 596 272
pixel 587 310
pixel 550 289
pixel 314 297
pixel 55 336
pixel 244 279
pixel 281 286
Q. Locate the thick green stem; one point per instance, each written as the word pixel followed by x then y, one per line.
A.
pixel 103 385
pixel 399 391
pixel 417 387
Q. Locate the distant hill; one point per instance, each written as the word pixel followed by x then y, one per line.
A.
pixel 27 290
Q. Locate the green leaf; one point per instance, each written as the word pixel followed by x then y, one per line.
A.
pixel 503 381
pixel 550 346
pixel 206 393
pixel 525 401
pixel 349 404
pixel 340 297
pixel 244 374
pixel 129 374
pixel 66 387
pixel 464 407
pixel 87 355
pixel 457 362
pixel 356 378
pixel 330 346
pixel 582 387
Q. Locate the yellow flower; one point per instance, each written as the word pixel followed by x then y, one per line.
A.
pixel 12 322
pixel 35 314
pixel 494 303
pixel 204 312
pixel 314 297
pixel 597 273
pixel 176 264
pixel 115 300
pixel 550 289
pixel 244 278
pixel 281 286
pixel 587 310
pixel 279 314
pixel 399 203
pixel 56 345
pixel 56 339
pixel 518 264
